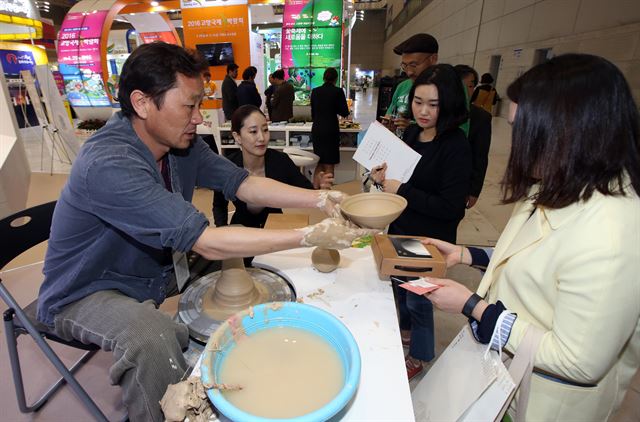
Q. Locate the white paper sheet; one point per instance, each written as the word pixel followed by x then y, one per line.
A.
pixel 379 145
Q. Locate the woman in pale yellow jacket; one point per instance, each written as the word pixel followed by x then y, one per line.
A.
pixel 568 261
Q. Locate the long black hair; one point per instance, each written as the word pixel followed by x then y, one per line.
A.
pixel 153 69
pixel 451 99
pixel 575 132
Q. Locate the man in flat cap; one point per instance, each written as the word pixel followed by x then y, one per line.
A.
pixel 418 53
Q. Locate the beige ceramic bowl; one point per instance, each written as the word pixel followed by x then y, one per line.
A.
pixel 374 210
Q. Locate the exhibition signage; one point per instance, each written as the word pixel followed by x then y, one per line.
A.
pixel 165 36
pixel 79 52
pixel 311 42
pixel 20 19
pixel 220 31
pixel 19 8
pixel 14 61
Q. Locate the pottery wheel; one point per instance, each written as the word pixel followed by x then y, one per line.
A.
pixel 194 308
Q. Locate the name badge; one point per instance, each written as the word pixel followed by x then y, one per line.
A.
pixel 181 268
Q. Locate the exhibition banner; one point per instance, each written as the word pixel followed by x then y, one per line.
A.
pixel 79 40
pixel 15 61
pixel 80 59
pixel 220 33
pixel 196 4
pixel 165 36
pixel 84 88
pixel 311 42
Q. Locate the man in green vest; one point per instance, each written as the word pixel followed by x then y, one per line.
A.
pixel 418 53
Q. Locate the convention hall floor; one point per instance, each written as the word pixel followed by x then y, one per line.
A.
pixel 481 226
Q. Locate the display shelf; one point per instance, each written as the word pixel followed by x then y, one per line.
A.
pixel 348 137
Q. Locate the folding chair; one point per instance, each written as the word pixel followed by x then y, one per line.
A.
pixel 20 232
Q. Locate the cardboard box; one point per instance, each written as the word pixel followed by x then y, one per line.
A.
pixel 393 259
pixel 286 221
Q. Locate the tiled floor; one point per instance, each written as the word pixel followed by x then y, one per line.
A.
pixel 481 226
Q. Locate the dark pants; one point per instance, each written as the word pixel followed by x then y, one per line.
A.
pixel 146 344
pixel 416 314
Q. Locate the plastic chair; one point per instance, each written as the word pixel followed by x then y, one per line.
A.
pixel 20 232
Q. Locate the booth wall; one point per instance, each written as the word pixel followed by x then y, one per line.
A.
pixel 471 32
pixel 14 167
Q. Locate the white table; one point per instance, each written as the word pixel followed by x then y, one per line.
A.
pixel 365 304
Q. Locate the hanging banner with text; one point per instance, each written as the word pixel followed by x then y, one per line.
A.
pixel 80 59
pixel 311 42
pixel 219 31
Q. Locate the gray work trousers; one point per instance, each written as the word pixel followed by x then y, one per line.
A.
pixel 146 344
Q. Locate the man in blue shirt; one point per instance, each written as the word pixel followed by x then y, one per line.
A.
pixel 125 212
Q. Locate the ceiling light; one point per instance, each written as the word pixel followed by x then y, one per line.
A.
pixel 154 3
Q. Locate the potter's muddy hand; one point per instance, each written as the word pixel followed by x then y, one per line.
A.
pixel 329 202
pixel 333 233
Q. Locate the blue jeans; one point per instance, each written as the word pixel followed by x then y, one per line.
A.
pixel 416 314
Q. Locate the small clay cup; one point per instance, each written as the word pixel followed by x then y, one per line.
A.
pixel 325 260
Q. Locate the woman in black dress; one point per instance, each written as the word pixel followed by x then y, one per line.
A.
pixel 327 102
pixel 250 130
pixel 436 192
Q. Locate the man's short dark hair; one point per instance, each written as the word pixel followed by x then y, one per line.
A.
pixel 153 68
pixel 486 79
pixel 464 70
pixel 231 67
pixel 279 74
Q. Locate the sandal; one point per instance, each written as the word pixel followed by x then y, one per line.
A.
pixel 413 368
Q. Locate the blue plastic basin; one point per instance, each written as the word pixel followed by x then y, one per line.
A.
pixel 283 314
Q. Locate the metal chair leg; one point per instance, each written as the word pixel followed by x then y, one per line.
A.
pixel 66 373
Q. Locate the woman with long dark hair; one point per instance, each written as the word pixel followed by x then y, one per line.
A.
pixel 436 192
pixel 250 130
pixel 568 260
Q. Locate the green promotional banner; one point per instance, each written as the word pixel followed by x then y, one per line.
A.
pixel 326 46
pixel 311 42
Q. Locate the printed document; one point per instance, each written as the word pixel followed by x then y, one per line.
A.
pixel 380 145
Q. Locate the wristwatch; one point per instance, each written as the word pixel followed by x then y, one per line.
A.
pixel 470 305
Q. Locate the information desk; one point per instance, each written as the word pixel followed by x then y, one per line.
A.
pixel 365 304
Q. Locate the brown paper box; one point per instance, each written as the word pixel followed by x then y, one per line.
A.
pixel 389 263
